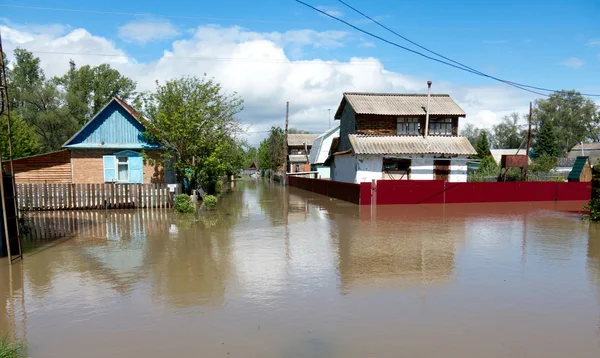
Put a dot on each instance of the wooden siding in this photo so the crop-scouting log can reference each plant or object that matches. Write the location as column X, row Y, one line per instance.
column 388, row 125
column 93, row 196
column 46, row 168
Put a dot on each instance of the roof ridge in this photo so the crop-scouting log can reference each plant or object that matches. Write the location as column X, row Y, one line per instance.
column 396, row 94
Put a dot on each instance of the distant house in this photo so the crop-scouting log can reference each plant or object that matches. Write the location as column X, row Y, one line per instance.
column 108, row 149
column 252, row 169
column 321, row 150
column 498, row 153
column 299, row 146
column 382, row 136
column 591, row 150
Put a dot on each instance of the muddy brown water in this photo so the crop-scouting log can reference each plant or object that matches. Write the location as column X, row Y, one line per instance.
column 287, row 273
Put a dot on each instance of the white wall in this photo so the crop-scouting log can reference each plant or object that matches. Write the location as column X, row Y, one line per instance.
column 458, row 171
column 421, row 169
column 344, row 168
column 324, row 172
column 368, row 168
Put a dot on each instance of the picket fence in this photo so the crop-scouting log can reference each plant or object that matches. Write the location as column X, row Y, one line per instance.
column 93, row 196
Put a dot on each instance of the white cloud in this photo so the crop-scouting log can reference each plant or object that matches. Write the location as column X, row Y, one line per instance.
column 367, row 44
column 260, row 68
column 331, row 11
column 146, row 31
column 572, row 62
column 593, row 42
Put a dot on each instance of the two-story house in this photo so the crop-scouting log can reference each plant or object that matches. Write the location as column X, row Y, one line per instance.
column 382, row 136
column 299, row 146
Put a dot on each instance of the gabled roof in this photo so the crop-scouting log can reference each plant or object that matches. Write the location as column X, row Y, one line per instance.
column 298, row 140
column 116, row 126
column 399, row 145
column 400, row 104
column 322, row 145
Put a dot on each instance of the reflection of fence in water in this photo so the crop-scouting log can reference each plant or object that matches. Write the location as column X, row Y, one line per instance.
column 45, row 227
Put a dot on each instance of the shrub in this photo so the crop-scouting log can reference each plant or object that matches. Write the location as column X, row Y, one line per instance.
column 183, row 204
column 487, row 168
column 594, row 204
column 10, row 349
column 209, row 201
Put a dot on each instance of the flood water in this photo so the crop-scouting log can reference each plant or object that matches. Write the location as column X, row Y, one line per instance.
column 286, row 273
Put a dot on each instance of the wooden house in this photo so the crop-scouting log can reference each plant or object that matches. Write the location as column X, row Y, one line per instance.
column 383, row 136
column 110, row 148
column 299, row 146
column 582, row 170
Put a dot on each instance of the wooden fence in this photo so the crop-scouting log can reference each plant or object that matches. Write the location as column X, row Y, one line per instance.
column 93, row 196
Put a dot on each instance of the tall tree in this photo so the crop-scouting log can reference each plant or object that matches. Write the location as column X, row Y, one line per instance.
column 196, row 121
column 26, row 75
column 250, row 156
column 271, row 151
column 546, row 142
column 23, row 137
column 88, row 89
column 483, row 145
column 471, row 132
column 507, row 134
column 574, row 117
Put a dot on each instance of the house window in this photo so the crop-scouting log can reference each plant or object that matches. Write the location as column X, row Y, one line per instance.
column 409, row 126
column 123, row 168
column 441, row 127
column 400, row 166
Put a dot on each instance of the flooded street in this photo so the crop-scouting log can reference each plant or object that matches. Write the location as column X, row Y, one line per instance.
column 286, row 273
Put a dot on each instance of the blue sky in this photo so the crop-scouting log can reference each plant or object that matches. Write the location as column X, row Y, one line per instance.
column 554, row 44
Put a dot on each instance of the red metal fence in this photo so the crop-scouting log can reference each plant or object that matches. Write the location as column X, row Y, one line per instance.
column 396, row 192
column 334, row 189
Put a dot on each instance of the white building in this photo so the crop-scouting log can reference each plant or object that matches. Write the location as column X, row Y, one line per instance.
column 382, row 136
column 320, row 152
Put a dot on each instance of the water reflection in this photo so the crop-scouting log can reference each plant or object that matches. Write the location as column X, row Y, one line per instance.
column 282, row 272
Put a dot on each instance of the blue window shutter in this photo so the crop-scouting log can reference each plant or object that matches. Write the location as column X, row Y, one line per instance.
column 110, row 173
column 136, row 170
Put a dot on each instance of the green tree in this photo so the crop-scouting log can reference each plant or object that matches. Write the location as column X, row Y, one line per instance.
column 26, row 75
column 574, row 117
column 250, row 156
column 196, row 121
column 88, row 89
column 487, row 169
column 483, row 145
column 265, row 159
column 543, row 164
column 23, row 138
column 471, row 132
column 271, row 152
column 507, row 134
column 546, row 142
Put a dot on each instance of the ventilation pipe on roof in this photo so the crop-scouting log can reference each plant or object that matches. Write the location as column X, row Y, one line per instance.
column 427, row 109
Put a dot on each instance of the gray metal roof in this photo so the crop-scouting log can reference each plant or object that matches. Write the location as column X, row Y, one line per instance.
column 298, row 158
column 400, row 104
column 322, row 145
column 498, row 153
column 586, row 146
column 394, row 145
column 297, row 140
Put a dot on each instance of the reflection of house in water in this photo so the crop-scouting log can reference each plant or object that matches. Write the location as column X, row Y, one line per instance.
column 407, row 245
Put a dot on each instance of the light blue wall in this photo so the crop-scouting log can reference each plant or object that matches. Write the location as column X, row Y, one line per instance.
column 113, row 127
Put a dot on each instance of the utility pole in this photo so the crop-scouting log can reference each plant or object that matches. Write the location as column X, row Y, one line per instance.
column 285, row 145
column 5, row 107
column 529, row 137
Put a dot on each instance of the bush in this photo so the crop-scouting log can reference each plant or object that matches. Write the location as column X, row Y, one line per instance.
column 10, row 349
column 594, row 204
column 487, row 168
column 209, row 201
column 183, row 204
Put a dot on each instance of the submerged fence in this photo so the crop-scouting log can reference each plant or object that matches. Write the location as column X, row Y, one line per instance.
column 94, row 196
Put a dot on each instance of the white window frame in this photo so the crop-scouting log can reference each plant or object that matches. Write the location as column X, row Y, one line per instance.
column 117, row 169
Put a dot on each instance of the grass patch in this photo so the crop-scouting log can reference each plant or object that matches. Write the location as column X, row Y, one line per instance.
column 10, row 349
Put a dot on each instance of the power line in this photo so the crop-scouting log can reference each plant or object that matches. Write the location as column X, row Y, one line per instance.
column 411, row 50
column 451, row 60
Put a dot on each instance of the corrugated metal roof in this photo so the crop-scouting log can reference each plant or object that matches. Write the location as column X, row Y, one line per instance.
column 297, row 140
column 400, row 104
column 298, row 158
column 394, row 145
column 586, row 146
column 322, row 145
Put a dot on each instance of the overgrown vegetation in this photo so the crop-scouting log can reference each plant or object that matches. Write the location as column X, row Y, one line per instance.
column 183, row 204
column 209, row 201
column 542, row 164
column 271, row 152
column 487, row 169
column 10, row 349
column 594, row 204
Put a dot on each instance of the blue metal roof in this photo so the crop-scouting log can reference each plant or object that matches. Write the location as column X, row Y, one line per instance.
column 114, row 127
